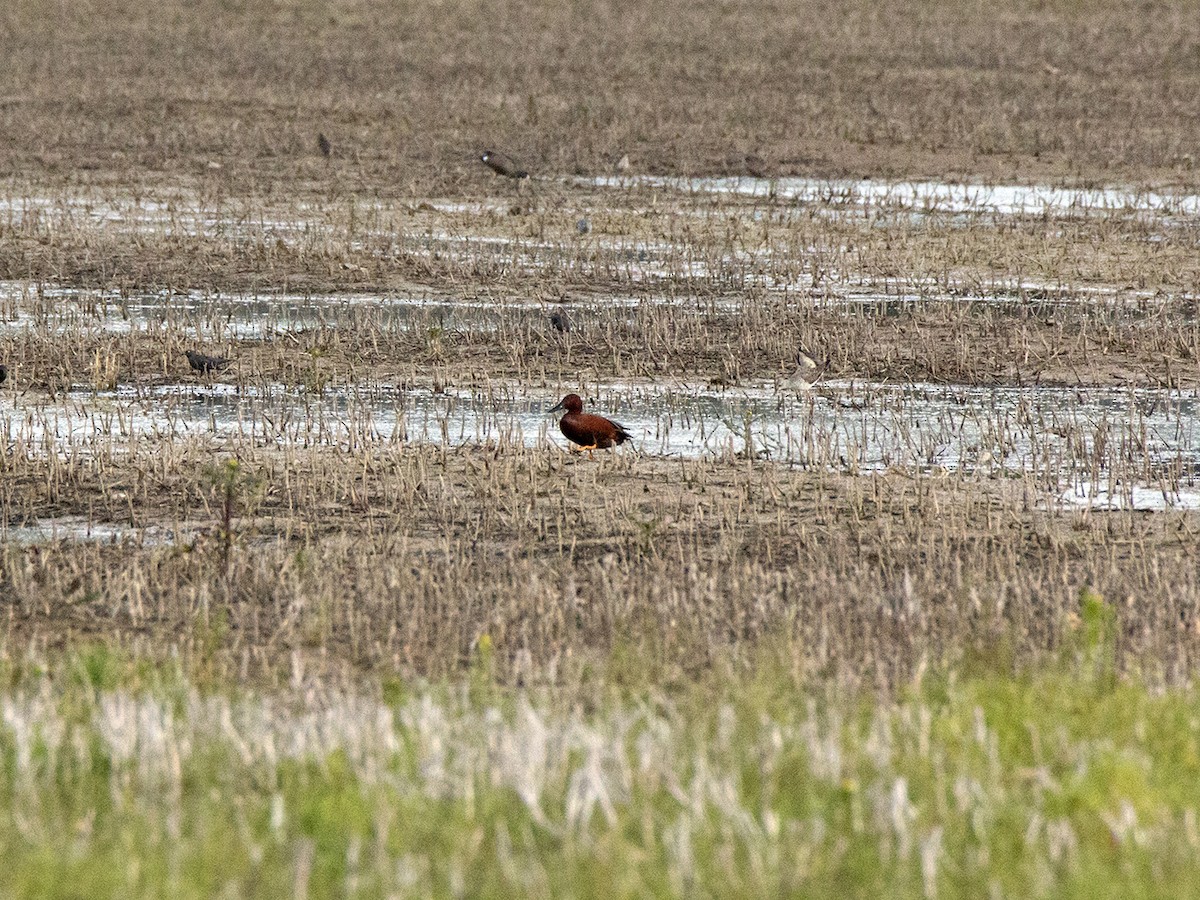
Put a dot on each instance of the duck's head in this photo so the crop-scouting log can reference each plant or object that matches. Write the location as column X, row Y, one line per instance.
column 572, row 403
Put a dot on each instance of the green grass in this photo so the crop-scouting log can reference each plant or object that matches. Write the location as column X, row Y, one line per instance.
column 121, row 779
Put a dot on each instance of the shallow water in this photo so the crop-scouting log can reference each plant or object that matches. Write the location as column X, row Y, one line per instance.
column 921, row 196
column 466, row 231
column 209, row 316
column 214, row 316
column 79, row 529
column 1141, row 498
column 1061, row 436
column 1072, row 441
column 926, row 196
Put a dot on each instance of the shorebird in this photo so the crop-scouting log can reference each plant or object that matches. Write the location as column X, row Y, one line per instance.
column 807, row 372
column 206, row 364
column 503, row 165
column 588, row 431
column 323, row 144
column 559, row 321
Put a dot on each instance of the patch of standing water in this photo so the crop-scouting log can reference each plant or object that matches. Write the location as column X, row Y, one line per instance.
column 180, row 214
column 216, row 316
column 1061, row 436
column 1142, row 498
column 79, row 529
column 926, row 196
column 209, row 317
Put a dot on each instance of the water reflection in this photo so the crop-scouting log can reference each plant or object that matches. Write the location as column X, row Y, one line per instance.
column 840, row 425
column 925, row 196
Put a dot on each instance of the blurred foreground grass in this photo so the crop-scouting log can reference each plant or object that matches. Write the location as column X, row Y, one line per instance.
column 119, row 777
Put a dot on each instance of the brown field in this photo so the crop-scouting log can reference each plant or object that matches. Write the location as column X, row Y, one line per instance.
column 117, row 93
column 402, row 558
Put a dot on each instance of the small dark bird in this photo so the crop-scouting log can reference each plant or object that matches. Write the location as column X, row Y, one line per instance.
column 559, row 321
column 3, row 373
column 503, row 165
column 756, row 167
column 588, row 431
column 206, row 364
column 323, row 144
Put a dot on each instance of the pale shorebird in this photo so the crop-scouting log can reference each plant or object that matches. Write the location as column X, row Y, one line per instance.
column 807, row 373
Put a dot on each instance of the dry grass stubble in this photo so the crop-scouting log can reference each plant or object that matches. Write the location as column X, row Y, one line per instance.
column 403, row 560
column 114, row 91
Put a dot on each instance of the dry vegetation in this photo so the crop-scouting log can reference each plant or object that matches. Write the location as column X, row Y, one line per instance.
column 174, row 151
column 117, row 92
column 403, row 560
column 787, row 662
column 727, row 289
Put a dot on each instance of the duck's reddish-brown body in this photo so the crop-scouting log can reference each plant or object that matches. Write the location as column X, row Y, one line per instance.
column 588, row 431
